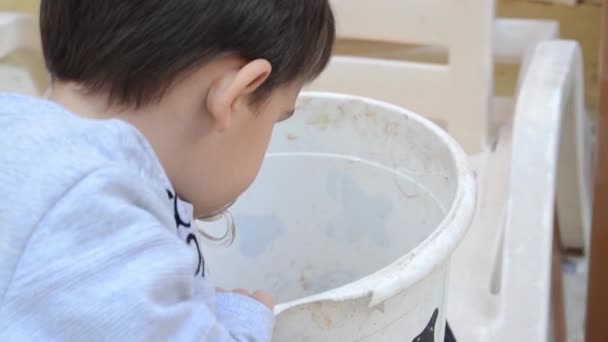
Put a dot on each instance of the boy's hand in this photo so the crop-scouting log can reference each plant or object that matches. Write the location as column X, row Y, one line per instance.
column 261, row 296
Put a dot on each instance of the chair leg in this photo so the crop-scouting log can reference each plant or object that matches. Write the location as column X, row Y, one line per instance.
column 557, row 288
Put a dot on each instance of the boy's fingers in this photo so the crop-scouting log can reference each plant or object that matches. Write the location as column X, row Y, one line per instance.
column 219, row 289
column 264, row 298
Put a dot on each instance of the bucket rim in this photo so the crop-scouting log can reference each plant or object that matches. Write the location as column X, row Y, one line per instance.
column 433, row 251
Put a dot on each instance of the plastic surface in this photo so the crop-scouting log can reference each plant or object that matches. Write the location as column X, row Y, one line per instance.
column 352, row 222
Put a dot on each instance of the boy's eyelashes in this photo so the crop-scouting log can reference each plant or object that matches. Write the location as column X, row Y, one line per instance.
column 286, row 116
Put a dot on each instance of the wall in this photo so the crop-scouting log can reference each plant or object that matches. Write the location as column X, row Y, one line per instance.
column 30, row 6
column 580, row 22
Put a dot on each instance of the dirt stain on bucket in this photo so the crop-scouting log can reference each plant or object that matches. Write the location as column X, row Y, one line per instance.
column 321, row 121
column 370, row 114
column 320, row 316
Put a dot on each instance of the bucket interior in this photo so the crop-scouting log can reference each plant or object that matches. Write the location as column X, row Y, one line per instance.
column 349, row 186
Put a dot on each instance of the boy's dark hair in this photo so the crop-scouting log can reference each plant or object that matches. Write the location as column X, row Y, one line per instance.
column 135, row 49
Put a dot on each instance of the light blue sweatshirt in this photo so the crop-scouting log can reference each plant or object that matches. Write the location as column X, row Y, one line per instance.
column 94, row 243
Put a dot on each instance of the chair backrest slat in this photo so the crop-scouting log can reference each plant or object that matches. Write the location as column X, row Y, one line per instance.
column 457, row 94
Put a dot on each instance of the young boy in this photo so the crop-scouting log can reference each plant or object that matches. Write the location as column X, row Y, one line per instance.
column 159, row 112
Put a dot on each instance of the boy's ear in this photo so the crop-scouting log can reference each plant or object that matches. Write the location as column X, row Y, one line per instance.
column 232, row 90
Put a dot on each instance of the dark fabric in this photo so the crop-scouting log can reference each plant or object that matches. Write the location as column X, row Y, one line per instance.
column 449, row 335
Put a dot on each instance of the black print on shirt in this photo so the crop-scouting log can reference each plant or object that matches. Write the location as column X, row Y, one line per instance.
column 178, row 220
column 200, row 269
column 191, row 239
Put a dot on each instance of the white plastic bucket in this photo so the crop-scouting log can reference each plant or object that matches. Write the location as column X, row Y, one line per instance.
column 351, row 223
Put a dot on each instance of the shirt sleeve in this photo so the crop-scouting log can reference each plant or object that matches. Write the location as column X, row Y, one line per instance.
column 245, row 317
column 102, row 266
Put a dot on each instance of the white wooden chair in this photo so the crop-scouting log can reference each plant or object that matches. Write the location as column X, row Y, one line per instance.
column 526, row 162
column 17, row 32
column 514, row 39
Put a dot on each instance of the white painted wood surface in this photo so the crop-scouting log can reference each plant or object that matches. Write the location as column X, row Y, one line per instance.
column 543, row 112
column 436, row 91
column 473, row 39
column 502, row 288
column 17, row 31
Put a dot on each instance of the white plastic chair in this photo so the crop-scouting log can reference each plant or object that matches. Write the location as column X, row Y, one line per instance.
column 539, row 156
column 17, row 32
